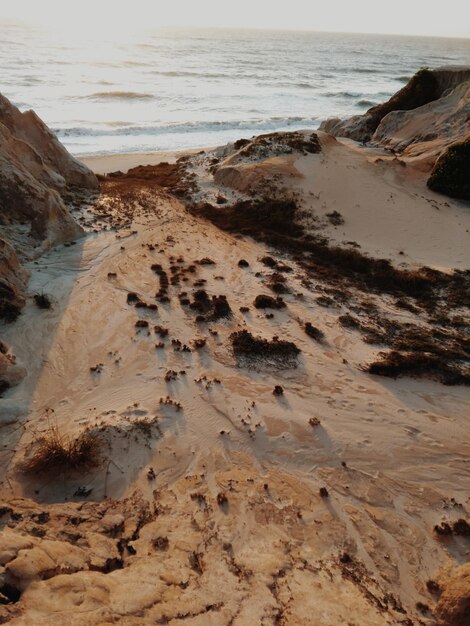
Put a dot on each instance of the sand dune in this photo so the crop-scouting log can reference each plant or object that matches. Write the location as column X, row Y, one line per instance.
column 254, row 490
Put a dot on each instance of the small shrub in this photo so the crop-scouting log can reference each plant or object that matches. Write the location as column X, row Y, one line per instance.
column 57, row 453
column 161, row 331
column 161, row 543
column 314, row 332
column 220, row 308
column 244, row 344
column 132, row 298
column 42, row 301
column 268, row 302
column 269, row 261
column 348, row 321
column 141, row 324
column 335, row 218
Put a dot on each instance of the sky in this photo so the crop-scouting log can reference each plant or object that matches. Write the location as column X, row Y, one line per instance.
column 406, row 17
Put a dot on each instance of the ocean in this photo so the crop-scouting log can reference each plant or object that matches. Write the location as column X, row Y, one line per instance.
column 177, row 89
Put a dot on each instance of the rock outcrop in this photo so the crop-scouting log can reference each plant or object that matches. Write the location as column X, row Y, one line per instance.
column 37, row 178
column 451, row 174
column 44, row 156
column 424, row 124
column 453, row 608
column 424, row 87
column 422, row 134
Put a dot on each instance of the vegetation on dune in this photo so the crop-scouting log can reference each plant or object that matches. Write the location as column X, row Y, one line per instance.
column 274, row 222
column 418, row 365
column 268, row 302
column 314, row 332
column 279, row 143
column 249, row 216
column 60, row 453
column 451, row 173
column 42, row 301
column 246, row 345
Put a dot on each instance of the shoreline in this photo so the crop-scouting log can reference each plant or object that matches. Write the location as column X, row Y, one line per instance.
column 124, row 161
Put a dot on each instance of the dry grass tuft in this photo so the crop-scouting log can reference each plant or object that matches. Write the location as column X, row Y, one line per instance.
column 60, row 453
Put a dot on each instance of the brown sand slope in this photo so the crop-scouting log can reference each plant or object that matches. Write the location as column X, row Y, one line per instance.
column 259, row 485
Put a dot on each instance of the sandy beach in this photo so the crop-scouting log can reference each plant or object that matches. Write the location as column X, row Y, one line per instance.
column 124, row 161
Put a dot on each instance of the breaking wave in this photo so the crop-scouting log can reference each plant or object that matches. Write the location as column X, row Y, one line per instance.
column 119, row 95
column 255, row 125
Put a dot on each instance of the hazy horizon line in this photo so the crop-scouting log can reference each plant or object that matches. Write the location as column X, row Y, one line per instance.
column 180, row 27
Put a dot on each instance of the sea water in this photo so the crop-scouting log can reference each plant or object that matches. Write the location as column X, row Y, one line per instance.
column 177, row 89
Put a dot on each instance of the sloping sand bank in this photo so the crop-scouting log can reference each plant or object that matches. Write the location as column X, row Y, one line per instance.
column 235, row 488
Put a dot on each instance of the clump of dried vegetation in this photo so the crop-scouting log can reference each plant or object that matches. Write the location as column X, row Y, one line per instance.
column 417, row 351
column 245, row 345
column 42, row 301
column 419, row 365
column 264, row 301
column 276, row 143
column 210, row 309
column 56, row 452
column 314, row 332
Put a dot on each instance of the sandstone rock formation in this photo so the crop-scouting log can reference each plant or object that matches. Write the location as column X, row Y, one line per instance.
column 453, row 608
column 451, row 173
column 419, row 122
column 424, row 87
column 422, row 134
column 48, row 159
column 37, row 176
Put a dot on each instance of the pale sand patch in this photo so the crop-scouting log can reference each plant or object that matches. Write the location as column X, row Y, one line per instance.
column 104, row 164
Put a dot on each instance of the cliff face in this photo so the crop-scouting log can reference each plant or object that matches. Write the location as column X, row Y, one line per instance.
column 49, row 160
column 431, row 109
column 37, row 175
column 451, row 173
column 422, row 134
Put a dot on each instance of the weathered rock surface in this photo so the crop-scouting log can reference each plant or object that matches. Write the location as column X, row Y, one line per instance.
column 420, row 122
column 180, row 558
column 43, row 155
column 12, row 282
column 424, row 87
column 451, row 173
column 424, row 133
column 453, row 608
column 37, row 175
